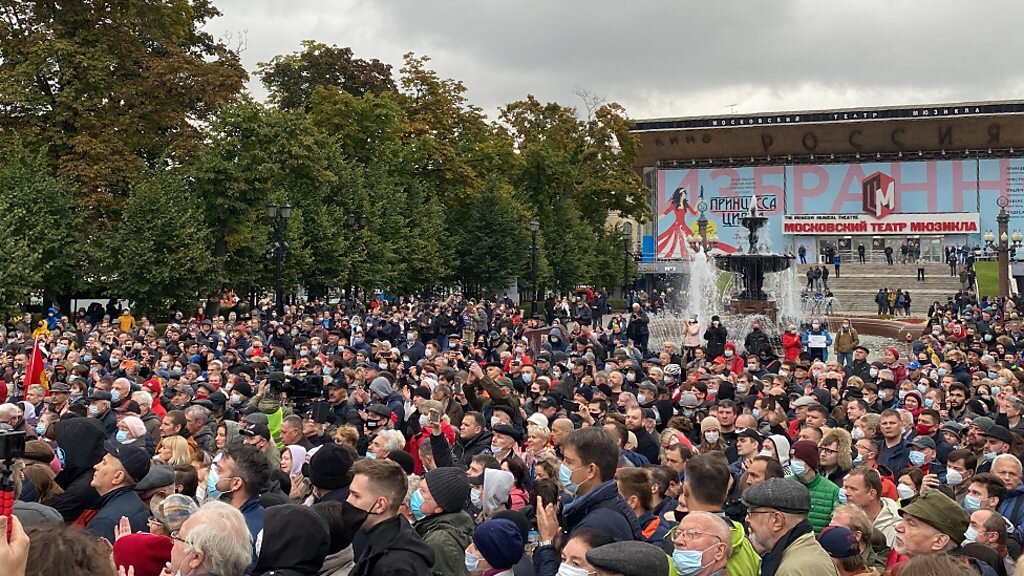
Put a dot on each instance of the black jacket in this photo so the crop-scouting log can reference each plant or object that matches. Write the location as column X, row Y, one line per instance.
column 716, row 338
column 295, row 542
column 647, row 445
column 464, row 450
column 395, row 549
column 81, row 439
column 112, row 506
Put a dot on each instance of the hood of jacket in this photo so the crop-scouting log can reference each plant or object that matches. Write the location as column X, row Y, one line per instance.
column 782, row 448
column 339, row 563
column 482, row 439
column 460, row 523
column 294, row 538
column 81, row 440
column 497, row 486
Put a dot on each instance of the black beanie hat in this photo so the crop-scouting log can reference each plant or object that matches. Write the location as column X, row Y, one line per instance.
column 329, row 467
column 404, row 460
column 449, row 487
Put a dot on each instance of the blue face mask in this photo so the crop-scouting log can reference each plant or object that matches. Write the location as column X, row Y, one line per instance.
column 474, row 497
column 371, row 455
column 211, row 485
column 122, row 436
column 922, row 388
column 415, row 502
column 991, row 456
column 916, row 457
column 971, row 504
column 565, row 477
column 471, row 562
column 858, row 460
column 756, row 414
column 941, row 372
column 94, row 409
column 842, row 496
column 798, row 467
column 995, row 390
column 40, row 429
column 688, row 562
column 928, row 402
column 115, row 394
column 527, row 377
column 327, row 371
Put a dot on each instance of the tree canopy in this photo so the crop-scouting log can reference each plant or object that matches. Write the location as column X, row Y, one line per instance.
column 129, row 125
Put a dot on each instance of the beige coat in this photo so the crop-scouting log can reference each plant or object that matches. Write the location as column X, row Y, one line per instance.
column 805, row 557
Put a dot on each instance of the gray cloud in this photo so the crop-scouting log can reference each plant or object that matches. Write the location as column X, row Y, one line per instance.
column 669, row 58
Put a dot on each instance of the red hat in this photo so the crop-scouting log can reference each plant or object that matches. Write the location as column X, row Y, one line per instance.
column 895, row 353
column 720, row 360
column 153, row 385
column 147, row 553
column 808, row 452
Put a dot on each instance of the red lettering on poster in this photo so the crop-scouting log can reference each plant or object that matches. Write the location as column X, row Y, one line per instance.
column 850, row 191
column 808, row 182
column 762, row 173
column 930, row 187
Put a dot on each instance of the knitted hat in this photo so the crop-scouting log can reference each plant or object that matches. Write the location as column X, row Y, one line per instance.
column 709, row 423
column 381, row 387
column 629, row 558
column 808, row 452
column 147, row 553
column 135, row 426
column 329, row 467
column 448, row 487
column 174, row 510
column 500, row 543
column 782, row 494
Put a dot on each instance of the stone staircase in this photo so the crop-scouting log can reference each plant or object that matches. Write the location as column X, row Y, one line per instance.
column 855, row 289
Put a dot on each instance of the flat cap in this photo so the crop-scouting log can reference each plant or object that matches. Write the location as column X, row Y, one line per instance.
column 629, row 558
column 940, row 512
column 1001, row 433
column 782, row 494
column 804, row 401
column 923, row 442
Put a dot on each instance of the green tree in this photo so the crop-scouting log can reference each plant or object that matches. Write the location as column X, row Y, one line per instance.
column 163, row 255
column 111, row 87
column 39, row 223
column 494, row 242
column 293, row 78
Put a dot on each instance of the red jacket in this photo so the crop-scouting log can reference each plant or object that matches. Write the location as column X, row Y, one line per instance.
column 791, row 346
column 413, row 445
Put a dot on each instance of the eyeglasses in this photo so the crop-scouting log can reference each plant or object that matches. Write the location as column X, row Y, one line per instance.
column 689, row 535
column 174, row 536
column 827, row 451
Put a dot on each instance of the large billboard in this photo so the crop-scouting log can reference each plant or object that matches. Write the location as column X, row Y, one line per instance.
column 876, row 193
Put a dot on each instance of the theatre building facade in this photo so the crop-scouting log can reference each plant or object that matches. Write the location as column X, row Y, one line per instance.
column 924, row 177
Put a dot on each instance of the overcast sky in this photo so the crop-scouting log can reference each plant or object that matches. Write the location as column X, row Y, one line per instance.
column 667, row 58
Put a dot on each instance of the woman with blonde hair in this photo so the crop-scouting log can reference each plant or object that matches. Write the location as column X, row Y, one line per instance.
column 538, row 443
column 346, row 435
column 174, row 451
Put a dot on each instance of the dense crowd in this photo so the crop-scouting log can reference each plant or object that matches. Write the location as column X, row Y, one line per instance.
column 459, row 437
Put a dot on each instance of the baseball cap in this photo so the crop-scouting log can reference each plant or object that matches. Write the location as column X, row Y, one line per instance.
column 839, row 541
column 258, row 429
column 134, row 459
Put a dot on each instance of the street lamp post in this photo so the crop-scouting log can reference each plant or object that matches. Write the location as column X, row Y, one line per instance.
column 356, row 224
column 704, row 241
column 627, row 237
column 1003, row 220
column 279, row 216
column 534, row 228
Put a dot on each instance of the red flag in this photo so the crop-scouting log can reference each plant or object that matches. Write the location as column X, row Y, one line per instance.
column 35, row 375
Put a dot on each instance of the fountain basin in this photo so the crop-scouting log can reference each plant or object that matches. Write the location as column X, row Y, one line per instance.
column 752, row 269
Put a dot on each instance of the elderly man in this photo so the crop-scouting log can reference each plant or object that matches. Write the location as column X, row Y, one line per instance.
column 777, row 512
column 214, row 540
column 99, row 408
column 703, row 543
column 114, row 478
column 932, row 524
column 195, row 423
column 1008, row 468
column 988, row 528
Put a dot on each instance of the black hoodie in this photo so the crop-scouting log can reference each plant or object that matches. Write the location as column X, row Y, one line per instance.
column 81, row 440
column 395, row 550
column 294, row 542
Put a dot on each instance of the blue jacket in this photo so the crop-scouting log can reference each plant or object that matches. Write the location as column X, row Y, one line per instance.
column 604, row 510
column 895, row 458
column 252, row 511
column 113, row 505
column 1012, row 508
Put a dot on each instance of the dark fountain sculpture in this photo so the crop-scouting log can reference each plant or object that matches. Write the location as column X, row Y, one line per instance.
column 751, row 267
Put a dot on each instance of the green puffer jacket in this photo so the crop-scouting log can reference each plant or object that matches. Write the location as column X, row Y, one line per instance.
column 448, row 535
column 824, row 499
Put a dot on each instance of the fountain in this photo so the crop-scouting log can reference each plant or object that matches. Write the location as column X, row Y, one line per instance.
column 752, row 267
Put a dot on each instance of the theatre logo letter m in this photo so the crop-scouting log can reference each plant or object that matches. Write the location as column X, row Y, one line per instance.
column 879, row 195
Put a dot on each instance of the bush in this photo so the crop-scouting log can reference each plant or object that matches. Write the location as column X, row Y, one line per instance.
column 617, row 304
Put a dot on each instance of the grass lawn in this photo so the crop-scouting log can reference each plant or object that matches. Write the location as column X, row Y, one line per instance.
column 988, row 278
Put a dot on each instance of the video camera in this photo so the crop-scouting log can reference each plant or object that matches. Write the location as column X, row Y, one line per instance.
column 300, row 390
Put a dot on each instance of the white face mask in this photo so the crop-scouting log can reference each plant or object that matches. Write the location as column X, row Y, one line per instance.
column 711, row 437
column 566, row 569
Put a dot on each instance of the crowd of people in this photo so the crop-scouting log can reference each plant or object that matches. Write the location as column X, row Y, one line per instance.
column 459, row 437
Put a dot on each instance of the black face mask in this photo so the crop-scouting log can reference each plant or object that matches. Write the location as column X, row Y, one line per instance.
column 352, row 517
